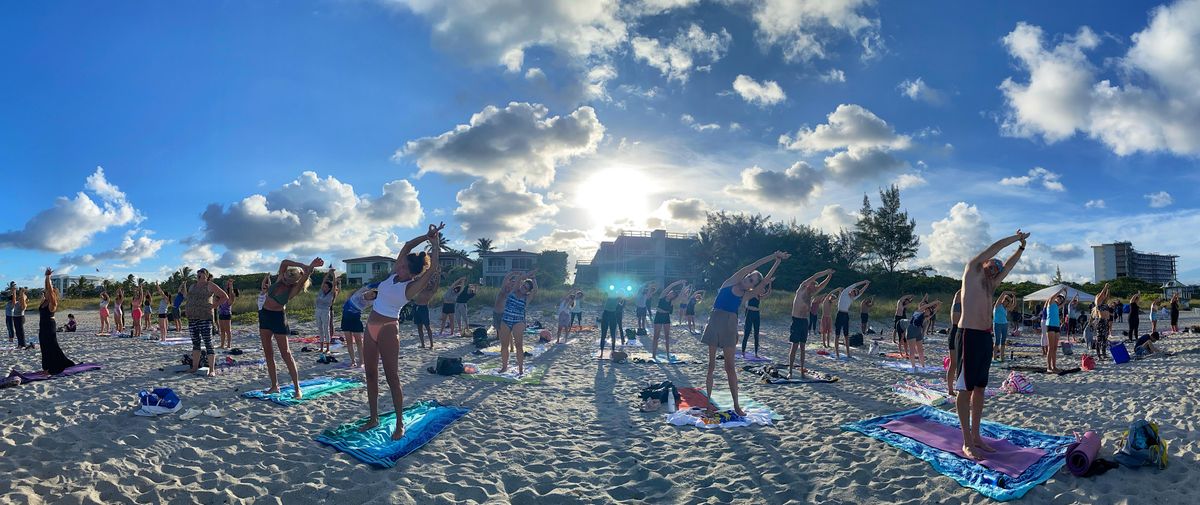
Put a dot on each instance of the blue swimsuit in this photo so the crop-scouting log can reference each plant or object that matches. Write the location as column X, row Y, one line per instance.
column 514, row 310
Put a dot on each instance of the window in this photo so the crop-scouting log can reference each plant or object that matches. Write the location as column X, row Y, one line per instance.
column 380, row 267
column 495, row 262
column 358, row 268
column 522, row 264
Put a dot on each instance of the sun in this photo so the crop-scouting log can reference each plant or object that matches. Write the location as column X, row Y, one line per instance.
column 616, row 194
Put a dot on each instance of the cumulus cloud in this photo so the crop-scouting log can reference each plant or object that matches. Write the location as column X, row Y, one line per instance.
column 833, row 75
column 677, row 58
column 803, row 29
column 1159, row 200
column 791, row 187
column 516, row 141
column 135, row 247
column 686, row 212
column 651, row 7
column 762, row 94
column 502, row 210
column 72, row 222
column 848, row 126
column 1048, row 180
column 199, row 254
column 918, row 90
column 835, row 218
column 962, row 234
column 1066, row 251
column 910, row 180
column 1095, row 204
column 314, row 214
column 862, row 163
column 690, row 121
column 1150, row 103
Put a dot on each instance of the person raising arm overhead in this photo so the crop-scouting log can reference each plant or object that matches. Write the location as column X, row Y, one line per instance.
column 841, row 326
column 292, row 278
column 798, row 337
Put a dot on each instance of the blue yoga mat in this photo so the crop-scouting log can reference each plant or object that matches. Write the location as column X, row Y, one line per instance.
column 991, row 483
column 311, row 389
column 422, row 422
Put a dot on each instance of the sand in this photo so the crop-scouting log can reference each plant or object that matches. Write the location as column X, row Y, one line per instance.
column 578, row 438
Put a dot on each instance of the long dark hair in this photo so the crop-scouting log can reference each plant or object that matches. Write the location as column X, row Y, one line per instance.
column 417, row 262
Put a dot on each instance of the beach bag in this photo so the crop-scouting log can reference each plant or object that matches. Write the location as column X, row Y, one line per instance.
column 1142, row 446
column 187, row 358
column 448, row 366
column 480, row 338
column 619, row 356
column 1017, row 383
column 1067, row 349
column 1087, row 362
column 630, row 334
column 1119, row 353
column 856, row 340
column 641, row 332
column 156, row 402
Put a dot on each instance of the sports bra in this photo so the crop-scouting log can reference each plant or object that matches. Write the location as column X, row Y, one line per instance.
column 281, row 298
column 391, row 297
column 664, row 305
column 726, row 300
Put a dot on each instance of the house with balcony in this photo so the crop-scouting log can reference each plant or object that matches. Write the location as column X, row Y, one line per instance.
column 637, row 257
column 361, row 271
column 498, row 264
column 451, row 260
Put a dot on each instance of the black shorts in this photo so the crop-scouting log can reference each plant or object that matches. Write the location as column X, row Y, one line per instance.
column 799, row 333
column 273, row 320
column 976, row 362
column 224, row 317
column 662, row 317
column 950, row 340
column 690, row 311
column 351, row 322
column 641, row 312
column 162, row 316
column 447, row 308
column 864, row 317
column 1051, row 329
column 421, row 314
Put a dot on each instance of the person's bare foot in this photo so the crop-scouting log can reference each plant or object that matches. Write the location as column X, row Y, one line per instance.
column 970, row 452
column 790, row 374
column 212, row 373
column 983, row 446
column 803, row 373
column 367, row 426
column 398, row 433
column 297, row 395
column 502, row 370
column 272, row 389
column 738, row 410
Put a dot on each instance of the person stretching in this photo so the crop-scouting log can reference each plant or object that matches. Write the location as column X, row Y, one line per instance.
column 104, row 328
column 352, row 325
column 119, row 311
column 901, row 315
column 563, row 316
column 292, row 279
column 841, row 327
column 1153, row 317
column 662, row 319
column 952, row 342
column 828, row 306
column 225, row 316
column 1135, row 315
column 644, row 295
column 175, row 304
column 753, row 318
column 20, row 300
column 864, row 313
column 690, row 312
column 1000, row 323
column 323, row 311
column 608, row 320
column 981, row 276
column 1053, row 329
column 411, row 273
column 800, row 320
column 449, row 298
column 199, row 310
column 420, row 302
column 512, row 323
column 916, row 333
column 462, row 316
column 162, row 312
column 721, row 330
column 54, row 361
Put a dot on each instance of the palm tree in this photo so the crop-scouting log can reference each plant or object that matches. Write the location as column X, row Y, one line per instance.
column 483, row 245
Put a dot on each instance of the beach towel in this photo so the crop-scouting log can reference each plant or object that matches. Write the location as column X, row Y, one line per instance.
column 532, row 351
column 940, row 385
column 906, row 367
column 175, row 340
column 423, row 421
column 311, row 389
column 490, row 372
column 1024, row 458
column 750, row 358
column 723, row 400
column 304, row 340
column 693, row 398
column 608, row 343
column 915, row 392
column 673, row 359
column 841, row 357
column 41, row 375
column 811, row 378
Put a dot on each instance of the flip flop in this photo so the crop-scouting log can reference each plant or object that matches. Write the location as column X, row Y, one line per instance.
column 190, row 414
column 214, row 412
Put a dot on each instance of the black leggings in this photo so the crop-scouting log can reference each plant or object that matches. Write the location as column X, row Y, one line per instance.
column 576, row 318
column 19, row 329
column 752, row 322
column 608, row 324
column 1133, row 329
column 201, row 329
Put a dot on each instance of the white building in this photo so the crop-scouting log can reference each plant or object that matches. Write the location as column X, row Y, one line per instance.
column 498, row 264
column 361, row 271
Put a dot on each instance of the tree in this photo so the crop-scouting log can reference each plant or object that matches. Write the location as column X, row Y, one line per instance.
column 483, row 245
column 886, row 233
column 1057, row 275
column 552, row 268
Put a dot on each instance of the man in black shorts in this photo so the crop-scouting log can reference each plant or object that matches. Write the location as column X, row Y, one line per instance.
column 981, row 277
column 800, row 320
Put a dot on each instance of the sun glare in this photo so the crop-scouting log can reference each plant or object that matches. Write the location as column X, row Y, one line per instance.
column 615, row 194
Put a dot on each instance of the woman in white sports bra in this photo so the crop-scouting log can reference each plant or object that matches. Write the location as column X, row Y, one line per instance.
column 410, row 275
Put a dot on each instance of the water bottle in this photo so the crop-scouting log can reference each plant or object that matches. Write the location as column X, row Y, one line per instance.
column 671, row 400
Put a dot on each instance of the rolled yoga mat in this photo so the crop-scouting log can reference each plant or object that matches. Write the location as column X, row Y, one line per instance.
column 1081, row 454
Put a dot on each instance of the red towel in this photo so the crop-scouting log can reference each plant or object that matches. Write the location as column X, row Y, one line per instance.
column 692, row 397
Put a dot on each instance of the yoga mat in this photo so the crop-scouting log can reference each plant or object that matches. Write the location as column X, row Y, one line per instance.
column 423, row 421
column 815, row 379
column 1082, row 453
column 750, row 358
column 841, row 357
column 983, row 479
column 311, row 389
column 905, row 367
column 489, row 372
column 1010, row 459
column 673, row 359
column 692, row 397
column 1038, row 369
column 940, row 385
column 41, row 375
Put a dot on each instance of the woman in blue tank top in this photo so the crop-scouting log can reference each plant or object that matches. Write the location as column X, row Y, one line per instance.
column 1053, row 323
column 722, row 327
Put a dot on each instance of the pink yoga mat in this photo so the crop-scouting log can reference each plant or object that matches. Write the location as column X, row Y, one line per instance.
column 1081, row 454
column 41, row 376
column 1009, row 459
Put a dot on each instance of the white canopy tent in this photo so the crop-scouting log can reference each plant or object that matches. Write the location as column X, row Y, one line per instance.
column 1042, row 295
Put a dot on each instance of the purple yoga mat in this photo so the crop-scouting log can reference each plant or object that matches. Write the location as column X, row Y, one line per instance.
column 1009, row 459
column 41, row 376
column 1081, row 454
column 750, row 358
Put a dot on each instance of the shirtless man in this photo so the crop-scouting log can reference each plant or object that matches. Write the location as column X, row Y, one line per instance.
column 980, row 278
column 800, row 307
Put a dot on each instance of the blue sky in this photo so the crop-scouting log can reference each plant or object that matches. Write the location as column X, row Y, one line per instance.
column 233, row 134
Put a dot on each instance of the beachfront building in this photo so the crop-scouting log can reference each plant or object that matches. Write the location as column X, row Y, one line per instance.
column 497, row 264
column 63, row 281
column 361, row 271
column 452, row 260
column 636, row 257
column 1120, row 259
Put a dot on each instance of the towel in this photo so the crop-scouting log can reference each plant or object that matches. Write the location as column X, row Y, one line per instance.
column 490, row 372
column 423, row 421
column 723, row 400
column 311, row 388
column 673, row 359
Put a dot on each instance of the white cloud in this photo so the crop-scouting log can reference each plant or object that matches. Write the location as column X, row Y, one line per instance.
column 789, row 188
column 833, row 75
column 134, row 248
column 501, row 210
column 72, row 222
column 917, row 89
column 199, row 254
column 688, row 212
column 910, row 180
column 1160, row 199
column 516, row 141
column 1049, row 180
column 313, row 214
column 857, row 163
column 849, row 125
column 762, row 94
column 735, row 126
column 1066, row 251
column 676, row 59
column 652, row 7
column 1095, row 204
column 835, row 218
column 802, row 29
column 690, row 121
column 1153, row 105
column 963, row 234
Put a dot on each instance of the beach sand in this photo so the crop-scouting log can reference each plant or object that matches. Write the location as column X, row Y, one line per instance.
column 578, row 438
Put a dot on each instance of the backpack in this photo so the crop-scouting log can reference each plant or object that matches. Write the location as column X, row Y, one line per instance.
column 407, row 311
column 1017, row 383
column 1087, row 362
column 480, row 338
column 448, row 366
column 1142, row 446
